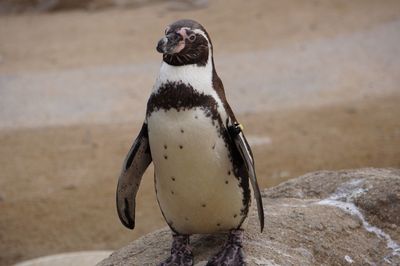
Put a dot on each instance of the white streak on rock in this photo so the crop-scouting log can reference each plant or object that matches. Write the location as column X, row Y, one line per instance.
column 348, row 259
column 343, row 199
column 294, row 205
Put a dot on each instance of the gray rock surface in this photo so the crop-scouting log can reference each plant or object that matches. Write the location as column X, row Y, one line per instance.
column 81, row 258
column 322, row 218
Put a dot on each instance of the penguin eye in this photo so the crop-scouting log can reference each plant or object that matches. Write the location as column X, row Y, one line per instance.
column 192, row 37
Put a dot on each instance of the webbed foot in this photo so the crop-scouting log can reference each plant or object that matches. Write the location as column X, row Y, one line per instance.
column 232, row 252
column 181, row 252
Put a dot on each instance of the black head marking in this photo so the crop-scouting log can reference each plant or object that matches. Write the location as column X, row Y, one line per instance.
column 185, row 44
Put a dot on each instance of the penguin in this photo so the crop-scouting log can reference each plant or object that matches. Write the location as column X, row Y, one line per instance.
column 204, row 167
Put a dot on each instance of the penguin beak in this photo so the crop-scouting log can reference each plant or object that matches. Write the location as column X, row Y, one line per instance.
column 172, row 43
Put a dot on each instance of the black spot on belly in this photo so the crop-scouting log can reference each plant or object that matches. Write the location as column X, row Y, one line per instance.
column 165, row 147
column 195, row 117
column 173, row 178
column 226, row 182
column 213, row 147
column 218, row 224
column 229, row 172
column 203, row 205
column 180, row 147
column 165, row 157
column 235, row 215
column 172, row 192
column 182, row 131
column 186, row 219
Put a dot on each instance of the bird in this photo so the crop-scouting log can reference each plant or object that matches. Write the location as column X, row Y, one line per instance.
column 204, row 171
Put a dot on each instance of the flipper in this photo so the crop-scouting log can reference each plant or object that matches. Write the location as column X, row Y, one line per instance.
column 236, row 133
column 135, row 164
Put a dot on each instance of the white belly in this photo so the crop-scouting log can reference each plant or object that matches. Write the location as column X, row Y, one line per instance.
column 195, row 184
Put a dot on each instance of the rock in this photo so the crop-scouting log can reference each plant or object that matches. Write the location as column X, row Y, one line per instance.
column 82, row 258
column 322, row 218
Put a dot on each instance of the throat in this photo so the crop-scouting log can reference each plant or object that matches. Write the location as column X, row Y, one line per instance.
column 199, row 59
column 199, row 78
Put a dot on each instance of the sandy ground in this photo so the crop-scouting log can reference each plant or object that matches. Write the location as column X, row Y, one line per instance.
column 313, row 82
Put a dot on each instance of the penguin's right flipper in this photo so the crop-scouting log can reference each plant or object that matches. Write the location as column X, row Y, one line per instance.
column 135, row 164
column 243, row 147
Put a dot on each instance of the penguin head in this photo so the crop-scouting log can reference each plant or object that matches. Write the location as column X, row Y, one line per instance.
column 185, row 42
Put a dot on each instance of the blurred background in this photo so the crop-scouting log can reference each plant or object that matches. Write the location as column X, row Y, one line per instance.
column 316, row 85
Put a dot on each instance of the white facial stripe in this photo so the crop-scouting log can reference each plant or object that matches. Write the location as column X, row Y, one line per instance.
column 182, row 31
column 202, row 34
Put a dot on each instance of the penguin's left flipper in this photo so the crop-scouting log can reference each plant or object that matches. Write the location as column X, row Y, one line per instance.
column 135, row 164
column 243, row 147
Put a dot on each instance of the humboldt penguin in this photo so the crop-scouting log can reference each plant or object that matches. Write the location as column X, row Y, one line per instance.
column 204, row 167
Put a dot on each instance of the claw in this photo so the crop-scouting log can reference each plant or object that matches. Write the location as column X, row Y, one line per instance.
column 181, row 252
column 232, row 253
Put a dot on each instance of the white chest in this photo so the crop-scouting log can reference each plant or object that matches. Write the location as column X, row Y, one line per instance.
column 196, row 188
